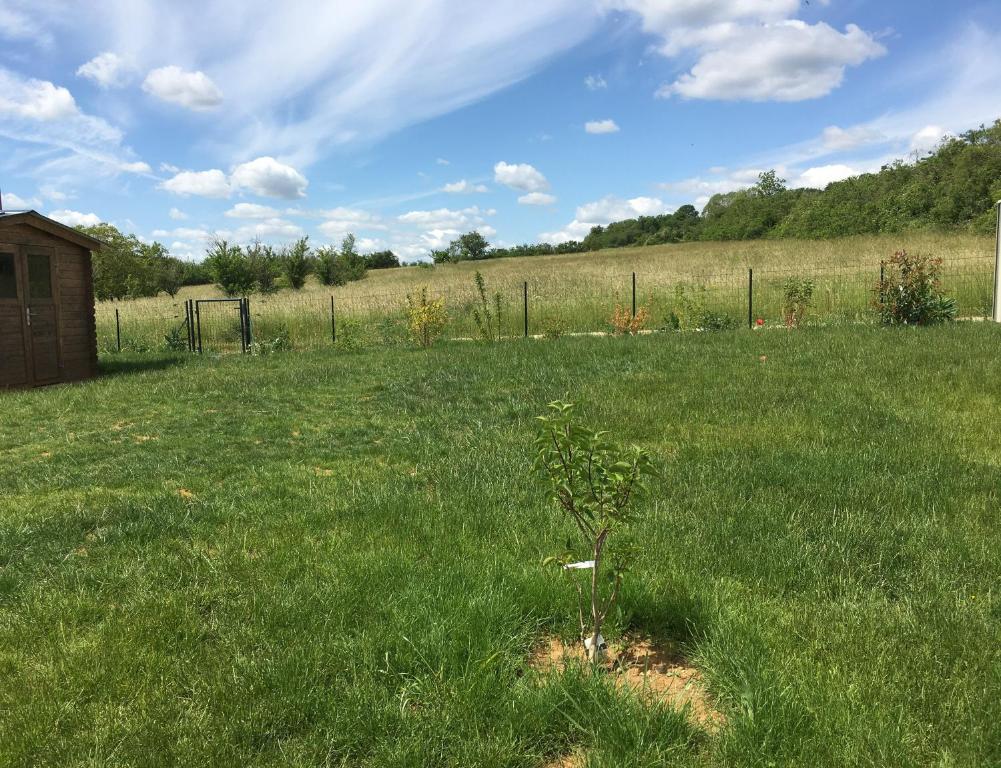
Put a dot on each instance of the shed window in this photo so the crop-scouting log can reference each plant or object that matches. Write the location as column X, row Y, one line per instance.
column 8, row 278
column 39, row 276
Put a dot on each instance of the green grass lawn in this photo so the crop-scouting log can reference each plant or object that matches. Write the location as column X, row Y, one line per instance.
column 334, row 558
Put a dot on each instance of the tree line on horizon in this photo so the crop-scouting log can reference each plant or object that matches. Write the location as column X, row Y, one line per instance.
column 952, row 189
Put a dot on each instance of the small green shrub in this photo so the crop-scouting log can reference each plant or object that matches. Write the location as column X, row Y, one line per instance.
column 277, row 340
column 175, row 341
column 691, row 311
column 296, row 263
column 797, row 298
column 910, row 292
column 555, row 327
column 594, row 481
column 487, row 313
column 426, row 318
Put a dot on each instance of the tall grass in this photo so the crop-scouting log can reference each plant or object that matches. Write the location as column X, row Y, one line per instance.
column 578, row 292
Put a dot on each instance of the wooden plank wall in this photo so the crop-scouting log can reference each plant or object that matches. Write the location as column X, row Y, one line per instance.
column 75, row 288
column 77, row 329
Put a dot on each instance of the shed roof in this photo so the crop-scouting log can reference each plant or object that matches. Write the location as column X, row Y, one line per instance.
column 53, row 227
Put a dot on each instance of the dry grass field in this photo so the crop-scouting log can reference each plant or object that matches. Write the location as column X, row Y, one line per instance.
column 577, row 292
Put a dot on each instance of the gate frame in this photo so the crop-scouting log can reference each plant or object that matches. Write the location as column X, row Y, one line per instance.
column 244, row 309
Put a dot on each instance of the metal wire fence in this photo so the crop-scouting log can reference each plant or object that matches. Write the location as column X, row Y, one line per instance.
column 842, row 294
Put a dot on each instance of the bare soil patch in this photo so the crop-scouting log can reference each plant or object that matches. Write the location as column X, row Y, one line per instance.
column 654, row 671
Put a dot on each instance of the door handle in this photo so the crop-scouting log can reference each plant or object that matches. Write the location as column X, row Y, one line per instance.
column 27, row 311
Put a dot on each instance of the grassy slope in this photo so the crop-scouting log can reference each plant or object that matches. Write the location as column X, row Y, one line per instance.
column 824, row 541
column 586, row 271
column 581, row 290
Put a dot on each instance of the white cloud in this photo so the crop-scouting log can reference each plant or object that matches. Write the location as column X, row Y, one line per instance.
column 78, row 146
column 267, row 177
column 699, row 189
column 601, row 126
column 251, row 211
column 928, row 138
column 844, row 139
column 51, row 192
column 75, row 218
column 595, row 83
column 185, row 233
column 340, row 221
column 12, row 202
column 212, row 183
column 782, row 61
column 168, row 168
column 17, row 25
column 446, row 218
column 34, row 99
column 820, row 176
column 177, row 214
column 537, row 198
column 443, row 161
column 108, row 70
column 136, row 167
column 520, row 176
column 193, row 90
column 264, row 176
column 268, row 229
column 464, row 188
column 751, row 50
column 605, row 211
column 611, row 208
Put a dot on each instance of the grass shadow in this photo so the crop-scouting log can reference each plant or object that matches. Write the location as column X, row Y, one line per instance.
column 119, row 366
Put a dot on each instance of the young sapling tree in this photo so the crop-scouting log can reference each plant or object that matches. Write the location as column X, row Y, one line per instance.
column 594, row 481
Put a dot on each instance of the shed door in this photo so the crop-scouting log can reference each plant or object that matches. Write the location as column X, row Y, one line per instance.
column 42, row 318
column 13, row 337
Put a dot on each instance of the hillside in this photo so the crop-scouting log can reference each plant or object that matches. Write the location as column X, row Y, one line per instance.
column 954, row 188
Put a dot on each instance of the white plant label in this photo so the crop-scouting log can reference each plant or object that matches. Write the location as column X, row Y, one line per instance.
column 579, row 566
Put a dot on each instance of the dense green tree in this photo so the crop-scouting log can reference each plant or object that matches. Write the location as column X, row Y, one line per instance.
column 230, row 269
column 381, row 260
column 341, row 267
column 127, row 268
column 265, row 265
column 296, row 263
column 472, row 246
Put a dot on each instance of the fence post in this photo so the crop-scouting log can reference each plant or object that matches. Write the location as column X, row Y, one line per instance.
column 526, row 309
column 997, row 271
column 189, row 316
column 250, row 326
column 333, row 322
column 243, row 325
column 118, row 330
column 198, row 323
column 634, row 294
column 750, row 297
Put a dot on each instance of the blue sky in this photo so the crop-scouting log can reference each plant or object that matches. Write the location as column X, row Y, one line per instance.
column 407, row 123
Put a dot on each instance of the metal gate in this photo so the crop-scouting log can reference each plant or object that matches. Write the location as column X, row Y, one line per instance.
column 219, row 325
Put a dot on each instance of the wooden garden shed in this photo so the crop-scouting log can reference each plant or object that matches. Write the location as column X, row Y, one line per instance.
column 47, row 331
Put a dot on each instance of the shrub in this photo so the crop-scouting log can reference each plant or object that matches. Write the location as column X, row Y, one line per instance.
column 335, row 267
column 623, row 321
column 593, row 481
column 487, row 317
column 280, row 340
column 426, row 318
column 230, row 269
column 295, row 263
column 692, row 313
column 174, row 341
column 265, row 265
column 910, row 292
column 797, row 298
column 554, row 327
